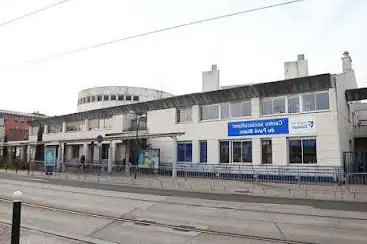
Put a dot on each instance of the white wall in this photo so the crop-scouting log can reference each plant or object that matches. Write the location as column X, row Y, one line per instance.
column 163, row 121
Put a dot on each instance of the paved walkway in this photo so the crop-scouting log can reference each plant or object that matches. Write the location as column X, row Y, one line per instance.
column 297, row 191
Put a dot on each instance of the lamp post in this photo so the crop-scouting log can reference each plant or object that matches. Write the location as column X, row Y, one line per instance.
column 15, row 228
column 136, row 116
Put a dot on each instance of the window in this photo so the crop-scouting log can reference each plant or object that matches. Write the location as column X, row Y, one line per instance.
column 308, row 101
column 105, row 148
column 120, row 97
column 322, row 101
column 302, row 151
column 293, row 104
column 106, row 98
column 113, row 97
column 184, row 114
column 128, row 98
column 242, row 152
column 93, row 99
column 83, row 101
column 184, row 152
column 105, row 123
column 279, row 105
column 240, row 109
column 136, row 98
column 99, row 98
column 54, row 128
column 74, row 151
column 209, row 112
column 224, row 110
column 267, row 107
column 273, row 106
column 224, row 152
column 266, row 152
column 88, row 99
column 203, row 151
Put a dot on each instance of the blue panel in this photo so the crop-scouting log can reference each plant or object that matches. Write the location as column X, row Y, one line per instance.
column 180, row 152
column 50, row 156
column 188, row 156
column 258, row 127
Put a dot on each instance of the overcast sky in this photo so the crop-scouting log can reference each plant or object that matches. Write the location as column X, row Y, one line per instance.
column 249, row 48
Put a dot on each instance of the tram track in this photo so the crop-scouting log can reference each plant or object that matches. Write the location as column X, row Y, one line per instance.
column 142, row 222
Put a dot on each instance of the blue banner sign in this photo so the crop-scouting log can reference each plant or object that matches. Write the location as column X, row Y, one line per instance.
column 50, row 156
column 258, row 127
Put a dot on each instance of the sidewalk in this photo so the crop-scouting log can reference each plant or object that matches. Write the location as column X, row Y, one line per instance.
column 255, row 188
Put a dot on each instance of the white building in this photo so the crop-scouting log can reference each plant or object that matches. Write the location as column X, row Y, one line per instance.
column 108, row 96
column 299, row 121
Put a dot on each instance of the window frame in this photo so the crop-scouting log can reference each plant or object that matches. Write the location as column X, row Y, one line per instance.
column 120, row 96
column 302, row 149
column 127, row 98
column 113, row 98
column 242, row 115
column 186, row 158
column 136, row 99
column 203, row 158
column 207, row 106
column 108, row 98
column 178, row 117
column 262, row 152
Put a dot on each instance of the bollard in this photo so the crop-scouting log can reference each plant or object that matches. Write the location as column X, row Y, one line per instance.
column 15, row 228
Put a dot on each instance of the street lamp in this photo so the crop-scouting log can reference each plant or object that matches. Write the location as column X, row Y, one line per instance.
column 136, row 116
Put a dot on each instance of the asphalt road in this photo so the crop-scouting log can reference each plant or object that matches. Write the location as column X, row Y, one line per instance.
column 320, row 204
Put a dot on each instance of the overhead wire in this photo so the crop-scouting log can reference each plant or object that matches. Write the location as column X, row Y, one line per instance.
column 33, row 12
column 101, row 44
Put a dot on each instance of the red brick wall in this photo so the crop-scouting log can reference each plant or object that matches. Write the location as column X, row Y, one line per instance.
column 16, row 127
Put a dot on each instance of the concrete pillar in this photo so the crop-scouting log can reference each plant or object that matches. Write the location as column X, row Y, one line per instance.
column 174, row 157
column 85, row 151
column 45, row 129
column 255, row 107
column 111, row 155
column 127, row 156
column 63, row 127
column 195, row 113
column 280, row 151
column 29, row 153
column 256, row 151
column 195, row 152
column 86, row 125
column 60, row 158
column 22, row 153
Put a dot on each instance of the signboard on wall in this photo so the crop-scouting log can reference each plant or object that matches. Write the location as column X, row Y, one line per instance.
column 148, row 158
column 302, row 125
column 258, row 127
column 50, row 156
column 272, row 127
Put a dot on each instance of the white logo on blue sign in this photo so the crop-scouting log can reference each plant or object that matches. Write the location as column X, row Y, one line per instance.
column 259, row 127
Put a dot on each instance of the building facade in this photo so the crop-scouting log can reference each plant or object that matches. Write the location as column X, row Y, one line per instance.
column 299, row 121
column 108, row 96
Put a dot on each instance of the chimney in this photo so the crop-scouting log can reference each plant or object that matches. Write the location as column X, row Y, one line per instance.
column 347, row 62
column 297, row 68
column 210, row 80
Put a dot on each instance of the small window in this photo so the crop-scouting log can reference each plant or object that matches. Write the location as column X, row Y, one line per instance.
column 322, row 101
column 106, row 98
column 267, row 107
column 224, row 110
column 293, row 104
column 121, row 97
column 242, row 152
column 99, row 98
column 184, row 151
column 209, row 112
column 224, row 152
column 203, row 151
column 93, row 99
column 136, row 98
column 279, row 105
column 75, row 151
column 266, row 151
column 308, row 102
column 240, row 109
column 113, row 97
column 88, row 99
column 128, row 98
column 184, row 114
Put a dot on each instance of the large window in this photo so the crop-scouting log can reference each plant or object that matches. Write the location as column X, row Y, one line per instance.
column 184, row 114
column 224, row 110
column 54, row 128
column 209, row 112
column 240, row 109
column 106, row 98
column 184, row 151
column 203, row 151
column 292, row 104
column 302, row 151
column 242, row 152
column 266, row 152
